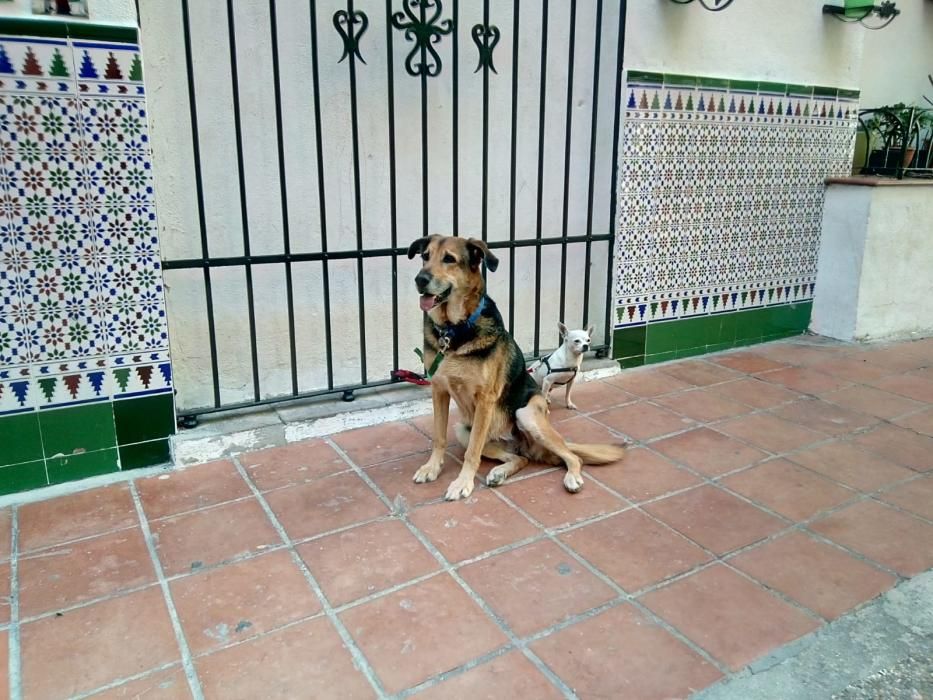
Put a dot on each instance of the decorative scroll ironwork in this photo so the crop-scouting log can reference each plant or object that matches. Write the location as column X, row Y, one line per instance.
column 424, row 31
column 345, row 22
column 485, row 37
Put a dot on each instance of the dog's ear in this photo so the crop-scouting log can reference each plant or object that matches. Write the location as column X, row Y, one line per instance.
column 563, row 330
column 417, row 247
column 589, row 330
column 478, row 250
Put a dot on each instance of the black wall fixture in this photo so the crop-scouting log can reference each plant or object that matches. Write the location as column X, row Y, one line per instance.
column 711, row 5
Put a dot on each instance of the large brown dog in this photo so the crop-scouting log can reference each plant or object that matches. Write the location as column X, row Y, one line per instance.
column 505, row 416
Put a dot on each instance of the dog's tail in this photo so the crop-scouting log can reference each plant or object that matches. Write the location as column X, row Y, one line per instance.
column 594, row 454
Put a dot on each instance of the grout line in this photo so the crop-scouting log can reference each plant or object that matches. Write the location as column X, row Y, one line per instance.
column 15, row 649
column 186, row 659
column 359, row 659
column 451, row 570
column 128, row 679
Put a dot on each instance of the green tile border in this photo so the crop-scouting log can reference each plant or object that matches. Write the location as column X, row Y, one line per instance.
column 144, row 418
column 20, row 439
column 22, row 477
column 77, row 429
column 19, row 26
column 720, row 83
column 81, row 466
column 145, row 454
column 679, row 80
column 638, row 76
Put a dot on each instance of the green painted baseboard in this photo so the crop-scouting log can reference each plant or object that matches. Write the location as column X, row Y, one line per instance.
column 687, row 337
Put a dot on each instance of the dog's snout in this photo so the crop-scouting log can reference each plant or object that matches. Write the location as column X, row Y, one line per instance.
column 586, row 347
column 422, row 280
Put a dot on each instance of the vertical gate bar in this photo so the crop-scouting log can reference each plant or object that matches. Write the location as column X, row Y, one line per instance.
column 484, row 214
column 357, row 205
column 594, row 118
column 238, row 132
column 199, row 195
column 514, row 147
column 567, row 137
column 283, row 195
column 393, row 206
column 322, row 207
column 613, row 222
column 424, row 130
column 541, row 107
column 455, row 66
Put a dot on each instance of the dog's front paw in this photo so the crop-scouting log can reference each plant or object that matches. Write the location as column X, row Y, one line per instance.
column 461, row 487
column 571, row 405
column 427, row 472
column 497, row 475
column 572, row 482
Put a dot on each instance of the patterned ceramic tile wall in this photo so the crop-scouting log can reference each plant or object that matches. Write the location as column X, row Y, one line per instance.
column 85, row 376
column 721, row 191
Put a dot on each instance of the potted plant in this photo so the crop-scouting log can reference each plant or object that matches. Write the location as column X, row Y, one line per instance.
column 899, row 129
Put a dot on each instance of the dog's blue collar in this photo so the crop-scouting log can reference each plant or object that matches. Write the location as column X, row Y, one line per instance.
column 453, row 333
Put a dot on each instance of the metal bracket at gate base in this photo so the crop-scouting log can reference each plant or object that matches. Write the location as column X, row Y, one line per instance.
column 485, row 37
column 345, row 22
column 348, row 395
column 188, row 422
column 423, row 31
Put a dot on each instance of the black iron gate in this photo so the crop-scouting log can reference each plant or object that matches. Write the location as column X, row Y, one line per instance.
column 370, row 34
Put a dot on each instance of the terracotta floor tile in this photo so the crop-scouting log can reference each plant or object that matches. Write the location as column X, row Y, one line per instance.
column 643, row 475
column 380, row 443
column 235, row 602
column 916, row 388
column 588, row 397
column 851, row 465
column 647, row 382
column 733, row 619
column 918, row 422
column 756, row 393
column 703, row 405
column 365, row 560
column 805, row 381
column 75, row 573
column 899, row 357
column 545, row 586
column 6, row 528
column 465, row 529
column 292, row 464
column 586, row 429
column 196, row 540
column 799, row 354
column 420, row 631
column 88, row 647
column 899, row 445
column 787, row 489
column 708, row 452
column 634, row 550
column 425, row 424
column 170, row 684
column 770, row 432
column 5, row 599
column 824, row 417
column 395, row 479
column 872, row 402
column 646, row 662
column 643, row 421
column 747, row 362
column 821, row 577
column 853, row 368
column 892, row 538
column 327, row 504
column 700, row 372
column 192, row 488
column 915, row 496
column 545, row 499
column 715, row 519
column 78, row 515
column 508, row 676
column 307, row 660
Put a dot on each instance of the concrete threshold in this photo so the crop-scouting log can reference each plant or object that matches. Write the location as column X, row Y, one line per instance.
column 228, row 434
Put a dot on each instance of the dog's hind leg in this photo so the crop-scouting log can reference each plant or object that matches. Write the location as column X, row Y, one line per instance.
column 511, row 463
column 546, row 388
column 570, row 404
column 431, row 469
column 532, row 420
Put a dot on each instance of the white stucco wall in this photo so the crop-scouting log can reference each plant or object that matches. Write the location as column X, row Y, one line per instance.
column 875, row 264
column 775, row 40
column 118, row 12
column 898, row 59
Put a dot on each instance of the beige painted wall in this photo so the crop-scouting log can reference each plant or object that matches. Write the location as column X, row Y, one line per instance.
column 121, row 12
column 897, row 59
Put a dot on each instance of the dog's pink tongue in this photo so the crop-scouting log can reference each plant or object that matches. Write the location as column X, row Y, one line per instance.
column 427, row 301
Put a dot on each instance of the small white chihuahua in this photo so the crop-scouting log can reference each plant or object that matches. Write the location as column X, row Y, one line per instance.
column 561, row 367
